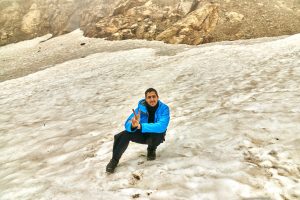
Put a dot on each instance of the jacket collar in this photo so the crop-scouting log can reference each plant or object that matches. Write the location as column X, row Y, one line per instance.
column 142, row 105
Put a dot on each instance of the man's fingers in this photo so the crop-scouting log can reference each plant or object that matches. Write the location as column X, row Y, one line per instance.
column 134, row 122
column 133, row 112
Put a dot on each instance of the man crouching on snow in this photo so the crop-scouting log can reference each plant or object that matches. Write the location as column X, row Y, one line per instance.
column 146, row 125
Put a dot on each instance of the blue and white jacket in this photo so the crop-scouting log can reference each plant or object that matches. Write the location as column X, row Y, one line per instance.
column 161, row 119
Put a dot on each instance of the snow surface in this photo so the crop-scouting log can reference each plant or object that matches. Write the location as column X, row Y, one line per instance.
column 234, row 131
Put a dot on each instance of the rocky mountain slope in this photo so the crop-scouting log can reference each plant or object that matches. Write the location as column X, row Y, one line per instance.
column 172, row 21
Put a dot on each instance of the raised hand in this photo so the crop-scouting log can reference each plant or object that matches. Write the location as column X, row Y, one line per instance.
column 136, row 119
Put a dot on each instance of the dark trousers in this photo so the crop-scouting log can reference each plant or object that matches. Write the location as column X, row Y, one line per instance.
column 121, row 141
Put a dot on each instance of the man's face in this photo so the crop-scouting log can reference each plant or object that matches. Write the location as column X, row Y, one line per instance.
column 151, row 98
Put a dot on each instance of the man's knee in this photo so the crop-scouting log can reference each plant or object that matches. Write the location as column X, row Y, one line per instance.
column 155, row 139
column 122, row 134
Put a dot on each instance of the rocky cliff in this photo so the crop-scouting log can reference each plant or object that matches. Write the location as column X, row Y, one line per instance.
column 172, row 21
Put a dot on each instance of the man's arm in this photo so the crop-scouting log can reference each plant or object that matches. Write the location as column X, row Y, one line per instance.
column 160, row 126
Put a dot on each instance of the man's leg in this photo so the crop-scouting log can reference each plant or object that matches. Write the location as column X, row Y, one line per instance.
column 121, row 141
column 120, row 145
column 153, row 140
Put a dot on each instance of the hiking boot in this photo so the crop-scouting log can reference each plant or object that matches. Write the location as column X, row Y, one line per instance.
column 151, row 154
column 111, row 166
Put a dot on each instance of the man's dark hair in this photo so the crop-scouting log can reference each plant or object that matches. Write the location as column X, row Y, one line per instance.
column 150, row 90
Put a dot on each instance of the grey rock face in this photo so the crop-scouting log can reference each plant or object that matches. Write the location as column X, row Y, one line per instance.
column 172, row 21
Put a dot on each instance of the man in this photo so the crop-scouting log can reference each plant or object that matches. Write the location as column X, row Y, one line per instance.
column 146, row 125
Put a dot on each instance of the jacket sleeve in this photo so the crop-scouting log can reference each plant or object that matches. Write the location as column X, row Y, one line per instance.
column 128, row 122
column 160, row 126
